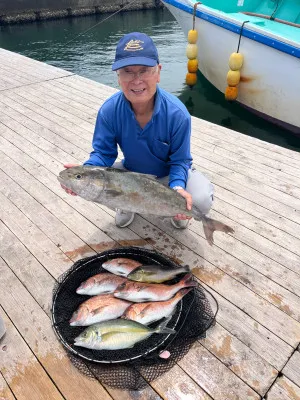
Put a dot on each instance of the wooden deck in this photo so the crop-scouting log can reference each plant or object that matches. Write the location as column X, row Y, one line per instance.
column 47, row 118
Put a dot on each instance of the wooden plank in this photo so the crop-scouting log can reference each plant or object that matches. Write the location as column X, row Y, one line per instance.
column 78, row 95
column 283, row 389
column 49, row 115
column 5, row 392
column 27, row 116
column 261, row 340
column 240, row 359
column 260, row 212
column 256, row 161
column 270, row 150
column 260, row 199
column 207, row 370
column 54, row 107
column 21, row 370
column 28, row 64
column 271, row 240
column 176, row 385
column 32, row 237
column 35, row 327
column 292, row 368
column 37, row 279
column 252, row 175
column 249, row 182
column 50, row 144
column 73, row 108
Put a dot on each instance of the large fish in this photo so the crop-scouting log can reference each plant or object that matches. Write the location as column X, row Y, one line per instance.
column 146, row 313
column 117, row 334
column 155, row 273
column 100, row 283
column 97, row 309
column 138, row 292
column 121, row 266
column 134, row 192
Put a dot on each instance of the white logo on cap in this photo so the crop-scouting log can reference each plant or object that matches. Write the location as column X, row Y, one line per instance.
column 134, row 45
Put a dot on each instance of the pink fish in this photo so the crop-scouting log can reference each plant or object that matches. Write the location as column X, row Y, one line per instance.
column 140, row 292
column 121, row 266
column 146, row 313
column 97, row 309
column 100, row 283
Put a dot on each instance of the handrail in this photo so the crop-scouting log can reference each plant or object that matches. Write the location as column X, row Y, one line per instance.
column 282, row 21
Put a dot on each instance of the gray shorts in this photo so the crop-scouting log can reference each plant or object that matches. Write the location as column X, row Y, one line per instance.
column 197, row 185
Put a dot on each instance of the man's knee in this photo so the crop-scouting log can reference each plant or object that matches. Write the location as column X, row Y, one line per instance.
column 201, row 190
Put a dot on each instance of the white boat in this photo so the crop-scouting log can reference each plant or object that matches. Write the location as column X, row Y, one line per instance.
column 269, row 42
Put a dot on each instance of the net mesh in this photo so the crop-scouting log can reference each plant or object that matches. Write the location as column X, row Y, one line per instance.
column 130, row 368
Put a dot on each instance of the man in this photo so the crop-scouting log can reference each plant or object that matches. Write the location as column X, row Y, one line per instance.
column 152, row 128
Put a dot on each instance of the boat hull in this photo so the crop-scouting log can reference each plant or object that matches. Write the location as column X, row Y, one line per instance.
column 270, row 83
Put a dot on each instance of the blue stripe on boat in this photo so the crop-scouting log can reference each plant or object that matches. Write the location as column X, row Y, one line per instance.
column 256, row 36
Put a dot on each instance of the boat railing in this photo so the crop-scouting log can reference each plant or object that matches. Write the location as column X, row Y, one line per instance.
column 282, row 21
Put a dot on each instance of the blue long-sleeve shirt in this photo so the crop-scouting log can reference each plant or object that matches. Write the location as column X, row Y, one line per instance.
column 161, row 148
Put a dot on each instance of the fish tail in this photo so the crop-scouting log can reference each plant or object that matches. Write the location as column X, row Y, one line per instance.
column 187, row 281
column 162, row 327
column 210, row 225
column 186, row 268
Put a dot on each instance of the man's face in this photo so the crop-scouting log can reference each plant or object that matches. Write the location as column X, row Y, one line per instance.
column 138, row 83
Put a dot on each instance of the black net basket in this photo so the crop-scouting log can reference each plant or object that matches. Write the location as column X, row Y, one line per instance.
column 130, row 368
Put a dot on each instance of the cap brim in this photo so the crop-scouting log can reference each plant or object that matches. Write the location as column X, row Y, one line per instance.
column 126, row 62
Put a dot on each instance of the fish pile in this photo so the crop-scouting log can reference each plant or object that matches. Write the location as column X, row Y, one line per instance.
column 134, row 192
column 125, row 301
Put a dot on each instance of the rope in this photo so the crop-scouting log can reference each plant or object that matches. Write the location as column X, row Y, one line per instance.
column 98, row 23
column 241, row 35
column 194, row 13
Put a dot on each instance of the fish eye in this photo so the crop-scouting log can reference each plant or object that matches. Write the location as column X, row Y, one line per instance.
column 78, row 176
column 122, row 285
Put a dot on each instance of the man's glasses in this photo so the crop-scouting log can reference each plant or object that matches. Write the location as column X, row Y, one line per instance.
column 145, row 73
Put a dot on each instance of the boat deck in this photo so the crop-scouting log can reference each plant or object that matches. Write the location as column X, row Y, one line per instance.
column 47, row 118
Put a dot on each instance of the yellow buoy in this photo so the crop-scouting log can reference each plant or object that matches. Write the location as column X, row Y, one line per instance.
column 192, row 65
column 192, row 36
column 236, row 61
column 231, row 93
column 191, row 78
column 233, row 77
column 191, row 51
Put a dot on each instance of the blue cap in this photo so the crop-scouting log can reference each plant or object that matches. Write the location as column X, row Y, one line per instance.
column 135, row 48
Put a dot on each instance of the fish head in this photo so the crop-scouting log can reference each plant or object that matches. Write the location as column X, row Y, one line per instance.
column 121, row 291
column 79, row 316
column 137, row 275
column 86, row 181
column 88, row 337
column 86, row 286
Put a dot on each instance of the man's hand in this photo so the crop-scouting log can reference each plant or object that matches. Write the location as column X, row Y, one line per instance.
column 69, row 191
column 189, row 203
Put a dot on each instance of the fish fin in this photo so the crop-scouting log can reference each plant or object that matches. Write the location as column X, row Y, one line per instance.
column 124, row 171
column 98, row 310
column 142, row 313
column 162, row 327
column 113, row 192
